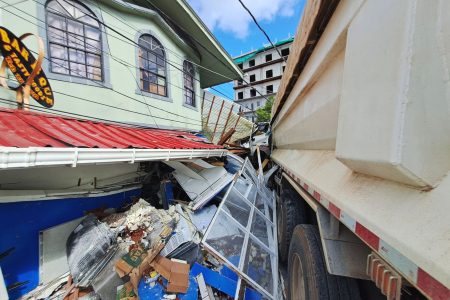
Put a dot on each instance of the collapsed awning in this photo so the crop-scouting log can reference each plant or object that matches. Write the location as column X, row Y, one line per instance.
column 33, row 139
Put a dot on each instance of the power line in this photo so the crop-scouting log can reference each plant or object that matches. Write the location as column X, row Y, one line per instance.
column 102, row 85
column 123, row 21
column 143, row 98
column 136, row 43
column 68, row 114
column 40, row 109
column 133, row 43
column 261, row 29
column 135, row 79
column 117, row 91
column 151, row 6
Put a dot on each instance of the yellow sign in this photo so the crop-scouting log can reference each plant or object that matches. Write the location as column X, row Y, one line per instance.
column 25, row 68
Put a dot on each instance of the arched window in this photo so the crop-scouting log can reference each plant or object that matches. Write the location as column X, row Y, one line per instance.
column 189, row 90
column 152, row 64
column 75, row 40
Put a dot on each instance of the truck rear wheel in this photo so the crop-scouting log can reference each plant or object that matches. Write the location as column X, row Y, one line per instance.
column 290, row 212
column 308, row 276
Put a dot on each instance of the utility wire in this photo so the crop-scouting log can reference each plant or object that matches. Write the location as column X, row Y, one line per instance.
column 154, row 7
column 261, row 29
column 115, row 91
column 66, row 113
column 128, row 41
column 135, row 79
column 134, row 42
column 123, row 21
column 63, row 113
column 102, row 85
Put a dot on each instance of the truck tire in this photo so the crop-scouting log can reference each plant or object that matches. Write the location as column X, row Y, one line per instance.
column 291, row 211
column 308, row 276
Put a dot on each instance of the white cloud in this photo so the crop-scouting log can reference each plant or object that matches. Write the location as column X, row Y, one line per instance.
column 230, row 16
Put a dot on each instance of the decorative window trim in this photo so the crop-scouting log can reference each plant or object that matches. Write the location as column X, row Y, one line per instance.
column 168, row 97
column 42, row 30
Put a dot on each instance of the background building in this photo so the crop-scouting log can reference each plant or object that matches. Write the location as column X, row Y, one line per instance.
column 263, row 69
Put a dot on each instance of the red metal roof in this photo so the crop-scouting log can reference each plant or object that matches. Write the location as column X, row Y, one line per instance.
column 29, row 129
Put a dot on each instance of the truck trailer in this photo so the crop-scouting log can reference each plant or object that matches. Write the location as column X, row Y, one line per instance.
column 361, row 133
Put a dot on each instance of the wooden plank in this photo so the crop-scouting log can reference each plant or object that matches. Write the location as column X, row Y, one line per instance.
column 226, row 122
column 217, row 122
column 264, row 164
column 210, row 109
column 226, row 136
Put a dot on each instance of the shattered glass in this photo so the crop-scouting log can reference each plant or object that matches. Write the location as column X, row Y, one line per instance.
column 260, row 227
column 242, row 186
column 245, row 227
column 237, row 207
column 258, row 265
column 226, row 238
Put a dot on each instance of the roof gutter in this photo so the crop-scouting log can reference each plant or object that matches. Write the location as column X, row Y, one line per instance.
column 315, row 19
column 13, row 158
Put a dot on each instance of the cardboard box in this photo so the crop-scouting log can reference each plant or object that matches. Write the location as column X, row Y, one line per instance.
column 129, row 261
column 144, row 266
column 122, row 268
column 179, row 278
column 176, row 273
column 163, row 266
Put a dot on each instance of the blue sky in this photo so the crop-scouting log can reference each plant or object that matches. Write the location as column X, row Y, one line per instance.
column 235, row 29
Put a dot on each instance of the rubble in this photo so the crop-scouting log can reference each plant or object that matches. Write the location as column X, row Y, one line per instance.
column 182, row 251
column 201, row 180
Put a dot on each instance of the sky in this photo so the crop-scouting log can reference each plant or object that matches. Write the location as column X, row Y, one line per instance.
column 236, row 31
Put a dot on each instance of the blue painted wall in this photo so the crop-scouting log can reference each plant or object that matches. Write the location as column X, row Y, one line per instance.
column 20, row 223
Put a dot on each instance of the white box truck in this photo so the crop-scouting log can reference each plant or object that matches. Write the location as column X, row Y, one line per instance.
column 361, row 132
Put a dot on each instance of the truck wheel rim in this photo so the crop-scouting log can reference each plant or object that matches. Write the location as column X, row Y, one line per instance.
column 297, row 280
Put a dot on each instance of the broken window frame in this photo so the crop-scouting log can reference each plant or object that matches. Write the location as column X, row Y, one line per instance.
column 272, row 248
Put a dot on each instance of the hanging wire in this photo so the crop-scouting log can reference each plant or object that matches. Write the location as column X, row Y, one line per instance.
column 102, row 85
column 151, row 6
column 122, row 62
column 261, row 29
column 114, row 57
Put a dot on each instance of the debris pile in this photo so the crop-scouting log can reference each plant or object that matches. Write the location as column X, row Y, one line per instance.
column 219, row 244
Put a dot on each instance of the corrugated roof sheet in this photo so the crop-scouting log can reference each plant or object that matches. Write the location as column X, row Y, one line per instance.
column 29, row 129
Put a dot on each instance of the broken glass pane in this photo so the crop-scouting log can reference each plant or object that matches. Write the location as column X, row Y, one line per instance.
column 242, row 186
column 259, row 203
column 250, row 173
column 260, row 227
column 252, row 194
column 226, row 238
column 236, row 206
column 247, row 199
column 258, row 265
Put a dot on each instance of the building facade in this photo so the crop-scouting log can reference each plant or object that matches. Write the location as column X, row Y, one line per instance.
column 262, row 69
column 111, row 64
column 121, row 61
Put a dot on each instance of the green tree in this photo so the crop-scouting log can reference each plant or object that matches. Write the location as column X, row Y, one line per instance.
column 263, row 114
